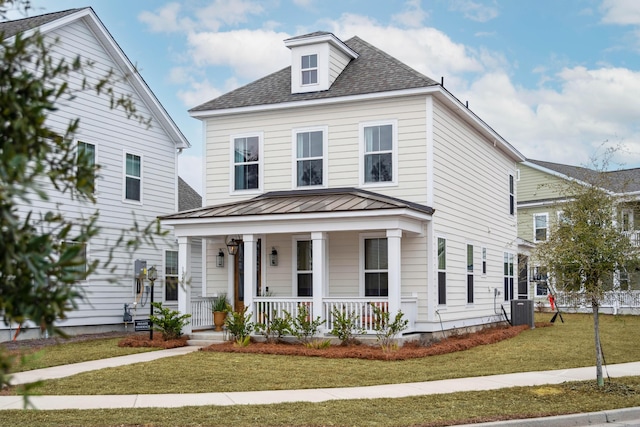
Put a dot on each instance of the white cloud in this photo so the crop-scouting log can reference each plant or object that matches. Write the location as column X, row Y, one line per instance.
column 475, row 11
column 621, row 12
column 250, row 53
column 212, row 17
column 412, row 15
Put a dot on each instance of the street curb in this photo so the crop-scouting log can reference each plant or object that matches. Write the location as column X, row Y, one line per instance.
column 573, row 420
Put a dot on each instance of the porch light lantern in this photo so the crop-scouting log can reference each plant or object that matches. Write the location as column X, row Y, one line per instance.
column 220, row 259
column 232, row 246
column 152, row 275
column 273, row 257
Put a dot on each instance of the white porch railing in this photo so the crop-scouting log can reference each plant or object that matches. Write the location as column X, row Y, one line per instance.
column 611, row 299
column 266, row 307
column 201, row 316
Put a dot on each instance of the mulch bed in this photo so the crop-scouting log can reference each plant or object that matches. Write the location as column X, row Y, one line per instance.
column 157, row 342
column 410, row 350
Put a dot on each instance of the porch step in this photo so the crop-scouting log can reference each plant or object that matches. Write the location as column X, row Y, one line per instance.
column 205, row 338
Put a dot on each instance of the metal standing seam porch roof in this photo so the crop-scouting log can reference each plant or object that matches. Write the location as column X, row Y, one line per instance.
column 302, row 202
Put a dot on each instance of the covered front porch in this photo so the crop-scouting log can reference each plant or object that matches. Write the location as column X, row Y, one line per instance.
column 324, row 250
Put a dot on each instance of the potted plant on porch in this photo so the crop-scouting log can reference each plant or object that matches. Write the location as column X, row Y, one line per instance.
column 220, row 308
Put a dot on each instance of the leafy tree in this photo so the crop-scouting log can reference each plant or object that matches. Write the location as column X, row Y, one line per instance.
column 586, row 247
column 39, row 268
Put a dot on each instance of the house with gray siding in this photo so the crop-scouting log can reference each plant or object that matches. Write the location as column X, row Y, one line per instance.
column 349, row 179
column 138, row 179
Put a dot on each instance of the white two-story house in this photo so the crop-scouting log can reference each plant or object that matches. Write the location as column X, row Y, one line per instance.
column 138, row 179
column 349, row 178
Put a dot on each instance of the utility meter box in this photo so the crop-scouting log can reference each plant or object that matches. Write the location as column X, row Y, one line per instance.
column 139, row 268
column 522, row 312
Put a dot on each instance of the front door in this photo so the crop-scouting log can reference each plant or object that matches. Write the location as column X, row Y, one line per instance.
column 238, row 301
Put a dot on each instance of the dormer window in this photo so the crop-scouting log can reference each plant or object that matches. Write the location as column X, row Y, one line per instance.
column 309, row 69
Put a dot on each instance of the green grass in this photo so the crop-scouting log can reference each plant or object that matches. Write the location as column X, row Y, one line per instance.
column 75, row 352
column 435, row 410
column 564, row 345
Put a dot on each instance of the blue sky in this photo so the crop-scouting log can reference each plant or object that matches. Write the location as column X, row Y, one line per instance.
column 560, row 80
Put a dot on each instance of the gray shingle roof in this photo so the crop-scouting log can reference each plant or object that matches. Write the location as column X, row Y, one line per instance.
column 188, row 198
column 372, row 72
column 11, row 28
column 304, row 201
column 619, row 181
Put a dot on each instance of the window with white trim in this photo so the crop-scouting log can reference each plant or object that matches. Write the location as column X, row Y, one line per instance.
column 77, row 265
column 309, row 157
column 309, row 67
column 304, row 267
column 484, row 261
column 379, row 148
column 508, row 276
column 171, row 276
column 512, row 196
column 540, row 227
column 539, row 277
column 246, row 163
column 86, row 154
column 442, row 271
column 469, row 274
column 133, row 177
column 376, row 267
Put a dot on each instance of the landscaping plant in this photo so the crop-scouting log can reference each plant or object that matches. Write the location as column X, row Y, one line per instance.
column 387, row 331
column 169, row 322
column 303, row 327
column 274, row 327
column 345, row 325
column 239, row 325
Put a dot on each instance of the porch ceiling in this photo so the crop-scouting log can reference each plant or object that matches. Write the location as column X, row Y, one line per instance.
column 303, row 210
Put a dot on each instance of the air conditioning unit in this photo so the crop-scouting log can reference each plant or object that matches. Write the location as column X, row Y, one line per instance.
column 522, row 312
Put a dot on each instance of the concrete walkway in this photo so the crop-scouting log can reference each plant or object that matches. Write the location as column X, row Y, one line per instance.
column 490, row 382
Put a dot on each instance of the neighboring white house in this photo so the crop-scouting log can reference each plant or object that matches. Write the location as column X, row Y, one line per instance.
column 349, row 178
column 138, row 180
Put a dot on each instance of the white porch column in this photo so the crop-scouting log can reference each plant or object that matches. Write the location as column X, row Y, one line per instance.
column 250, row 260
column 394, row 240
column 319, row 272
column 184, row 279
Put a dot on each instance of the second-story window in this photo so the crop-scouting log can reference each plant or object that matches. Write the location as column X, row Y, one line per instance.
column 133, row 177
column 87, row 155
column 246, row 163
column 540, row 227
column 378, row 153
column 309, row 68
column 309, row 158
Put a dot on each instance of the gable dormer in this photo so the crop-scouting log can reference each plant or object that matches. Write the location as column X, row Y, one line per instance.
column 317, row 59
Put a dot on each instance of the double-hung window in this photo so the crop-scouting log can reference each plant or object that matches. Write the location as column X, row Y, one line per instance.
column 171, row 276
column 85, row 175
column 246, row 163
column 304, row 269
column 379, row 151
column 540, row 227
column 309, row 69
column 508, row 276
column 133, row 177
column 512, row 196
column 310, row 151
column 469, row 274
column 442, row 271
column 376, row 267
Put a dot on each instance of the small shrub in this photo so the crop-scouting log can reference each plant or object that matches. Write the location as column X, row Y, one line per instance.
column 345, row 326
column 274, row 327
column 387, row 331
column 168, row 321
column 302, row 326
column 318, row 344
column 240, row 326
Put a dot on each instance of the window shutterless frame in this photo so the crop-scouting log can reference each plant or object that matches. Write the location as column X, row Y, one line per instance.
column 133, row 177
column 378, row 153
column 246, row 165
column 309, row 157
